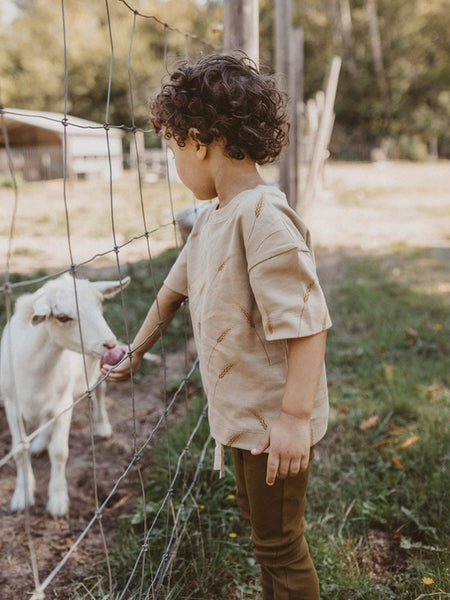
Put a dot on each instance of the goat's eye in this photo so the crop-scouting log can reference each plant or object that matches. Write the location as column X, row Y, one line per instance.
column 62, row 318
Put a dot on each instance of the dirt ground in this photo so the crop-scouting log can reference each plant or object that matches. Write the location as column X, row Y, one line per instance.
column 362, row 208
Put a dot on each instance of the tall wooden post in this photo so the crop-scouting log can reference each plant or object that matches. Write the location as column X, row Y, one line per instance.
column 323, row 134
column 283, row 50
column 241, row 27
column 377, row 56
column 296, row 96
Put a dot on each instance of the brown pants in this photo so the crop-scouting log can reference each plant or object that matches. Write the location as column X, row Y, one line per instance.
column 276, row 517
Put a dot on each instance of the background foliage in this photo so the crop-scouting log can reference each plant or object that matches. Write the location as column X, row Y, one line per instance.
column 408, row 119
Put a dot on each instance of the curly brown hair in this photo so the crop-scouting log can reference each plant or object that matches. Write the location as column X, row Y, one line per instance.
column 224, row 96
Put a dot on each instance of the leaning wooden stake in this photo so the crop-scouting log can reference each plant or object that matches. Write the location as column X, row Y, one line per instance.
column 322, row 139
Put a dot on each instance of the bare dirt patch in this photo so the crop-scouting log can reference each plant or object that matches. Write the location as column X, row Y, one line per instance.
column 384, row 555
column 364, row 208
column 52, row 538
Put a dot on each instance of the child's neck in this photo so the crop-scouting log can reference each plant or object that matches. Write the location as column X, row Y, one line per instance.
column 237, row 177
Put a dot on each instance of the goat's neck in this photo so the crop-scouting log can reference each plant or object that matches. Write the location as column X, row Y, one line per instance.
column 41, row 349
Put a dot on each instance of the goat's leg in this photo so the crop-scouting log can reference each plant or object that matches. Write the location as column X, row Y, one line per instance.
column 25, row 483
column 40, row 442
column 102, row 426
column 58, row 451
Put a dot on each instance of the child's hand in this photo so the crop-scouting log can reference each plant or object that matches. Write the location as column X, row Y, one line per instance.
column 122, row 371
column 289, row 443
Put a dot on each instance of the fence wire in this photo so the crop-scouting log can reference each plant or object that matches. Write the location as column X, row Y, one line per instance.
column 173, row 515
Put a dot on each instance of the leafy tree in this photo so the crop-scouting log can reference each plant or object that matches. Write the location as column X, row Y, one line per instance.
column 115, row 60
column 414, row 47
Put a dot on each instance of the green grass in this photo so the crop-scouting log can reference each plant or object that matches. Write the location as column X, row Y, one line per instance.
column 378, row 507
column 215, row 538
column 386, row 362
column 388, row 366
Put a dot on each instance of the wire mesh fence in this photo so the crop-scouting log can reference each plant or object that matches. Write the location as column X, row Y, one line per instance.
column 126, row 237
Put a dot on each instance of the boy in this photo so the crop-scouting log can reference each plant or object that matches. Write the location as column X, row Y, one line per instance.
column 259, row 316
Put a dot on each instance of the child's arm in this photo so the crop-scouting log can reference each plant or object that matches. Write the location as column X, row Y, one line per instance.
column 289, row 436
column 158, row 318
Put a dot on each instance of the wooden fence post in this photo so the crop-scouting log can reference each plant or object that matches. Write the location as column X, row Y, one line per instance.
column 295, row 90
column 283, row 49
column 241, row 27
column 323, row 135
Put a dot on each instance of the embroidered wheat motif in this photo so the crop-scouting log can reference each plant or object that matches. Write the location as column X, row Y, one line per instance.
column 259, row 418
column 222, row 335
column 226, row 370
column 259, row 207
column 247, row 315
column 269, row 325
column 220, row 339
column 233, row 439
column 223, row 264
column 308, row 291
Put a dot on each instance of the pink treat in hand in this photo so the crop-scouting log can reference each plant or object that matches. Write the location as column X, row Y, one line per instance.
column 112, row 357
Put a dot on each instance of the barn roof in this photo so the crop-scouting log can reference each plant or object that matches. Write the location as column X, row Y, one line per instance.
column 18, row 122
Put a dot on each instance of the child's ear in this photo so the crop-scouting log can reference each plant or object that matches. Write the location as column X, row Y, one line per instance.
column 201, row 149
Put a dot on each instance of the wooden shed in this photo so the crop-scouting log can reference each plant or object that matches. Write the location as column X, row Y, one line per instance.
column 36, row 141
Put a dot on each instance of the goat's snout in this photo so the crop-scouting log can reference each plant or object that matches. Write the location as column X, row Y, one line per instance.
column 109, row 344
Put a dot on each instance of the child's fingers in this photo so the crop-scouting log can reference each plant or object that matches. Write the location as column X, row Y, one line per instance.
column 284, row 468
column 273, row 464
column 294, row 468
column 263, row 445
column 116, row 373
column 304, row 464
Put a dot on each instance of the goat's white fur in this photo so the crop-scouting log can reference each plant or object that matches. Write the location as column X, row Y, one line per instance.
column 43, row 370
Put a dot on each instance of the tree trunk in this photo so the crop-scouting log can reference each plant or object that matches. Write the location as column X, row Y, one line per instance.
column 377, row 56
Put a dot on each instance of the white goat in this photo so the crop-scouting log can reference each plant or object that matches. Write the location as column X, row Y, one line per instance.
column 42, row 371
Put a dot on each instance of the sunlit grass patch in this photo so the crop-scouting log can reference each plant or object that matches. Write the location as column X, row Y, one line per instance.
column 384, row 464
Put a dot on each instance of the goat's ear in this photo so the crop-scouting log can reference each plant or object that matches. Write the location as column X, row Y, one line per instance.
column 41, row 311
column 110, row 288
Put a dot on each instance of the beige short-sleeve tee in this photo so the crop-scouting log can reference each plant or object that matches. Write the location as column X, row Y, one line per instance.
column 249, row 272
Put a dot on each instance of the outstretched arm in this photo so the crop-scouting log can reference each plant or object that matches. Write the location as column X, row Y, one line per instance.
column 158, row 318
column 288, row 438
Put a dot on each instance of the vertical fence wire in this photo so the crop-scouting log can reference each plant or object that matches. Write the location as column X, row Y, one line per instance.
column 175, row 512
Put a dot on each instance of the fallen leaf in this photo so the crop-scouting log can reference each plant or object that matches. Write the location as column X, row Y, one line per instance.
column 398, row 533
column 398, row 463
column 395, row 428
column 383, row 442
column 346, row 406
column 412, row 336
column 431, row 390
column 410, row 441
column 121, row 502
column 370, row 422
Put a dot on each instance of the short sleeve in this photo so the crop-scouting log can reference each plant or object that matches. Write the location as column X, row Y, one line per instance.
column 177, row 279
column 289, row 296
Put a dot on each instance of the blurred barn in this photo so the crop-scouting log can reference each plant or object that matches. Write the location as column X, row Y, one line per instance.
column 37, row 146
